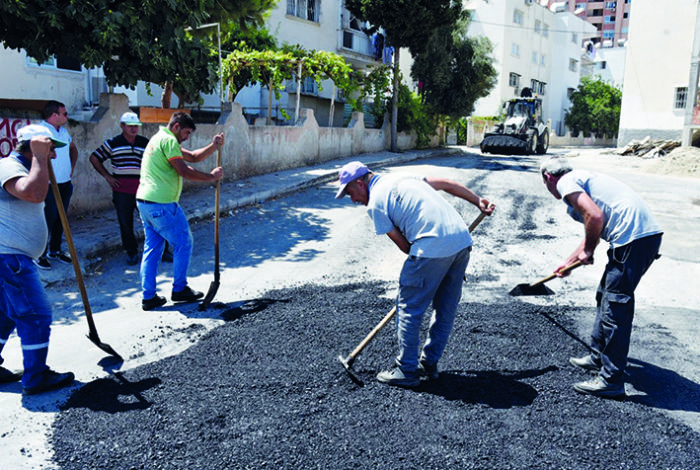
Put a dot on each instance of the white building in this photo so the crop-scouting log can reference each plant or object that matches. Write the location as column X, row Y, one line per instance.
column 661, row 72
column 534, row 47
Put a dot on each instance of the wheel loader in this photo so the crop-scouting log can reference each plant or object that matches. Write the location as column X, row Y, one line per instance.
column 522, row 132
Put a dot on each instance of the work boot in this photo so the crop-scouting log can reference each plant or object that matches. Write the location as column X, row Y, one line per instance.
column 428, row 371
column 585, row 362
column 600, row 387
column 7, row 376
column 62, row 257
column 186, row 295
column 50, row 380
column 153, row 302
column 399, row 378
column 42, row 263
column 132, row 260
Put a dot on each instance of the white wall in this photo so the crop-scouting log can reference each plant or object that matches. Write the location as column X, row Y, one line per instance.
column 658, row 59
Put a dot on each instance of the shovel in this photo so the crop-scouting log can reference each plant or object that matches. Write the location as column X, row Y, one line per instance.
column 92, row 336
column 538, row 288
column 214, row 286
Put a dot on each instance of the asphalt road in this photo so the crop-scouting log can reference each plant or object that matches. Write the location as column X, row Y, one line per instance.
column 304, row 279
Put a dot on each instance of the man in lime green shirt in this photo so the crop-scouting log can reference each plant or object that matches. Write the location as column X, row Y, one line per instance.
column 163, row 167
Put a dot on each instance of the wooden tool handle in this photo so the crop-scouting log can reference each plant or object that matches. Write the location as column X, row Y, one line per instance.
column 372, row 334
column 553, row 275
column 477, row 221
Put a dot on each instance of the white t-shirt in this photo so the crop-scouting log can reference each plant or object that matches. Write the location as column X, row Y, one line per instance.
column 61, row 164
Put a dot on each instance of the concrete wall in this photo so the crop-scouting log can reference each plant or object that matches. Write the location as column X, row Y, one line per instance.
column 248, row 150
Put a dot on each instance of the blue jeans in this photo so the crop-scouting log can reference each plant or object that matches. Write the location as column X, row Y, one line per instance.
column 53, row 220
column 424, row 281
column 25, row 306
column 610, row 339
column 161, row 223
column 125, row 204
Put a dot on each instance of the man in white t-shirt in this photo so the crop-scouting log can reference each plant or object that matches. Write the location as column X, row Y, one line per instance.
column 422, row 224
column 612, row 211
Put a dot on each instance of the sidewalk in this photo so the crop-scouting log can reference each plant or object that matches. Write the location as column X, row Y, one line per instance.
column 96, row 235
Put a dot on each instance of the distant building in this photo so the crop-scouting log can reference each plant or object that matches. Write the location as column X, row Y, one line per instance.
column 611, row 19
column 659, row 98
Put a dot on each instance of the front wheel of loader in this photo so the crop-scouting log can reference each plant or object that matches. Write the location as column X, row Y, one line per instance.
column 532, row 144
column 543, row 143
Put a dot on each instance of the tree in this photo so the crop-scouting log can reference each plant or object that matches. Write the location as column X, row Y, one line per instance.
column 405, row 23
column 595, row 108
column 132, row 39
column 454, row 71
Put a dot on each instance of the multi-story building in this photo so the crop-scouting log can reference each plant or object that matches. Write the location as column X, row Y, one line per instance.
column 534, row 47
column 611, row 19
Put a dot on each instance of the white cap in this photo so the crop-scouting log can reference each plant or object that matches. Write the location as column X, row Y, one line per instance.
column 130, row 119
column 27, row 133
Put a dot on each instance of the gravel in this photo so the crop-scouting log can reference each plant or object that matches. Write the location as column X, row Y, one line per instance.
column 266, row 390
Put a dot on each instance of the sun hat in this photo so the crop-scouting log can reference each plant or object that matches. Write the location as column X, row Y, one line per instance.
column 130, row 119
column 27, row 133
column 350, row 172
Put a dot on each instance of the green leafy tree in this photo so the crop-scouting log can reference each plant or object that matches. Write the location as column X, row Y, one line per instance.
column 405, row 23
column 455, row 70
column 595, row 108
column 132, row 39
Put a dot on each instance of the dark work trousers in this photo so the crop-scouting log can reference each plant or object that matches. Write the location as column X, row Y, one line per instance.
column 125, row 204
column 53, row 220
column 615, row 304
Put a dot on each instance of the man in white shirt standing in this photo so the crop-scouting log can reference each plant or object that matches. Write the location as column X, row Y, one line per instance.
column 55, row 117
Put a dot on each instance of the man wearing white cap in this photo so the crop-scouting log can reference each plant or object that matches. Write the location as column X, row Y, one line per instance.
column 24, row 305
column 422, row 224
column 124, row 153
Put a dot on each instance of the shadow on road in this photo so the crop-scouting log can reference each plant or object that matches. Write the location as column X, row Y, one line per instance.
column 662, row 388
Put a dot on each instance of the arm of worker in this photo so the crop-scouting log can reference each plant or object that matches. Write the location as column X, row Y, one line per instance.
column 200, row 154
column 397, row 237
column 34, row 186
column 186, row 171
column 462, row 192
column 73, row 153
column 97, row 164
column 593, row 226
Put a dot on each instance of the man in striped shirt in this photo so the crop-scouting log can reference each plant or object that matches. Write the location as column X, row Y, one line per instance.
column 124, row 153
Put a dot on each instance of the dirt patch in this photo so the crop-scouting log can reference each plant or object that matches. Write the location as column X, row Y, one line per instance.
column 265, row 390
column 682, row 161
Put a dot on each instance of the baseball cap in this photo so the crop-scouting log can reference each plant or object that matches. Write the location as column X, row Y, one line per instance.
column 27, row 133
column 350, row 172
column 130, row 119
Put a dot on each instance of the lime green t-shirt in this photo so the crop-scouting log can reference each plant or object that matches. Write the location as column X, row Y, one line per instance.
column 159, row 180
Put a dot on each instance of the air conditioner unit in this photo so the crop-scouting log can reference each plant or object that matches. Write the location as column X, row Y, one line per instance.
column 529, row 2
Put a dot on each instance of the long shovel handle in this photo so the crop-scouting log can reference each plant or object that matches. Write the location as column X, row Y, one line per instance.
column 73, row 253
column 387, row 318
column 217, row 200
column 573, row 265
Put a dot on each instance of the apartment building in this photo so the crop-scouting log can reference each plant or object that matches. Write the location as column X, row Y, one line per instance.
column 534, row 47
column 611, row 19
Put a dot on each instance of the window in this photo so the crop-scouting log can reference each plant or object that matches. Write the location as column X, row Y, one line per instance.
column 609, row 34
column 306, row 9
column 609, row 19
column 538, row 86
column 515, row 50
column 545, row 30
column 574, row 38
column 569, row 92
column 681, row 97
column 518, row 17
column 58, row 62
column 611, row 5
column 534, row 58
column 514, row 80
column 543, row 61
column 573, row 65
column 602, row 65
column 597, row 12
column 538, row 26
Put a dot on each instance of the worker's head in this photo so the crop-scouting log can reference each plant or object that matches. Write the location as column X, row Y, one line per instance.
column 551, row 170
column 130, row 124
column 181, row 125
column 354, row 181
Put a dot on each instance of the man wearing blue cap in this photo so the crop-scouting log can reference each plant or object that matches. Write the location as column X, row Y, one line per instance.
column 24, row 176
column 411, row 212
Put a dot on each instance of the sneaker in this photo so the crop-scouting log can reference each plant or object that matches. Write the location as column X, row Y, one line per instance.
column 153, row 302
column 398, row 378
column 62, row 257
column 42, row 263
column 167, row 257
column 132, row 260
column 50, row 380
column 600, row 387
column 186, row 295
column 7, row 376
column 585, row 362
column 427, row 371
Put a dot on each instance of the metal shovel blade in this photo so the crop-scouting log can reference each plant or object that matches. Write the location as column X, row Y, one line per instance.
column 529, row 289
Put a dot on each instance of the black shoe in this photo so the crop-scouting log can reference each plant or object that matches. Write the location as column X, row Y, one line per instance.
column 42, row 263
column 7, row 376
column 167, row 257
column 132, row 260
column 186, row 295
column 153, row 302
column 62, row 257
column 50, row 381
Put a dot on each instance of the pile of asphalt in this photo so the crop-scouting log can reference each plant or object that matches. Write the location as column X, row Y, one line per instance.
column 266, row 390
